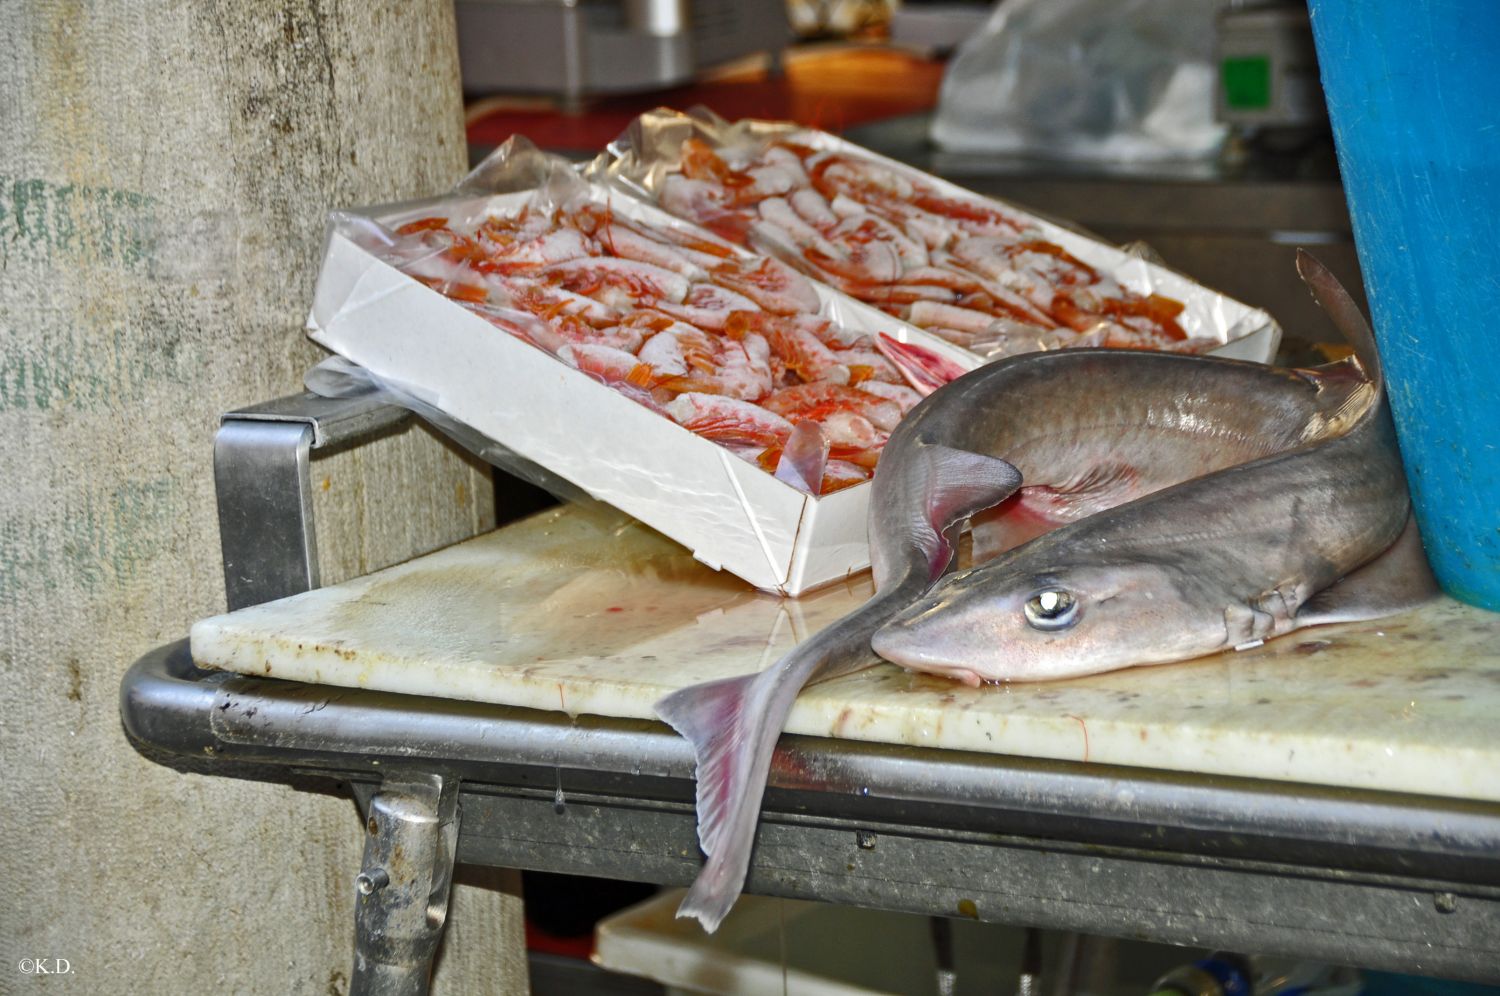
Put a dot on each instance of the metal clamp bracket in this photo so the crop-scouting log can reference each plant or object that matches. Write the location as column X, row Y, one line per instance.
column 403, row 884
column 263, row 484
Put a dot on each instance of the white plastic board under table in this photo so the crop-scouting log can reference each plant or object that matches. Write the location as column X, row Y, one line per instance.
column 595, row 613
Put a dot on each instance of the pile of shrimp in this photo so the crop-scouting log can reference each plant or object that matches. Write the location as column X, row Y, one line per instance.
column 959, row 268
column 729, row 347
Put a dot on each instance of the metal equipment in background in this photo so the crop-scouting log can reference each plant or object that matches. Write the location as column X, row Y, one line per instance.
column 576, row 49
column 1268, row 71
column 939, row 25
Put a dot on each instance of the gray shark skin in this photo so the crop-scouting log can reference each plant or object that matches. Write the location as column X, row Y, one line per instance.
column 1218, row 561
column 1084, row 431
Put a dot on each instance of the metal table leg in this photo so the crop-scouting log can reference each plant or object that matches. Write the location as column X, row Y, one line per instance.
column 403, row 886
column 270, row 549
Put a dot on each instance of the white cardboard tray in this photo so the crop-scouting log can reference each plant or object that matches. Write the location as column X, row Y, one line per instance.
column 731, row 514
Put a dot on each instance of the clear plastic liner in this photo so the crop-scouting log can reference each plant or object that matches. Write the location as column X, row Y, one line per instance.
column 651, row 149
column 1090, row 80
column 337, row 377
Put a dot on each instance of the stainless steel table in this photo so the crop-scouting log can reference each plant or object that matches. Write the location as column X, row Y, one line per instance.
column 1341, row 876
column 1379, row 880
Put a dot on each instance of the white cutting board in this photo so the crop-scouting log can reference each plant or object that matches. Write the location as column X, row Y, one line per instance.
column 591, row 612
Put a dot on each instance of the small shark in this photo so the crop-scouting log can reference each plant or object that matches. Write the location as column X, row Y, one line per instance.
column 1227, row 559
column 1052, row 439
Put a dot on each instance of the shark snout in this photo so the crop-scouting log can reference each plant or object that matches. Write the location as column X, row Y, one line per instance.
column 909, row 640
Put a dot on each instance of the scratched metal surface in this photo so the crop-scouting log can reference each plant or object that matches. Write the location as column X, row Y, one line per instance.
column 597, row 614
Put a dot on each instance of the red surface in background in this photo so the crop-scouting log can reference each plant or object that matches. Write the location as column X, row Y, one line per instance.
column 538, row 939
column 831, row 90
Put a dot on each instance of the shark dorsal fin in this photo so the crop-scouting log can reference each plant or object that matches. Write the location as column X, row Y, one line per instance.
column 1343, row 312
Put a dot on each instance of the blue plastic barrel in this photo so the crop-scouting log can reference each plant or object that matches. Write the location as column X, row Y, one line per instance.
column 1413, row 90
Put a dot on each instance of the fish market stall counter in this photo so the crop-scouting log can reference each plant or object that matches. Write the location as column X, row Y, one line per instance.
column 1335, row 794
column 591, row 613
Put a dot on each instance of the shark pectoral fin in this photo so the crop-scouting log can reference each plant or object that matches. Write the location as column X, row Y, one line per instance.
column 1397, row 580
column 954, row 485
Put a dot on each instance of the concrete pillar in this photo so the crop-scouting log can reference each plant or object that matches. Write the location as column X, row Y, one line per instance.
column 164, row 177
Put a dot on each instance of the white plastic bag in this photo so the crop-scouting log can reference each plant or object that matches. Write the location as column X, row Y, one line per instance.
column 1092, row 80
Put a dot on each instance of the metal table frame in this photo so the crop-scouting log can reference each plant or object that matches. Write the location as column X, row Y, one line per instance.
column 1379, row 880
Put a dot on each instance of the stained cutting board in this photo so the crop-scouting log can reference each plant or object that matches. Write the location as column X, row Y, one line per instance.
column 590, row 612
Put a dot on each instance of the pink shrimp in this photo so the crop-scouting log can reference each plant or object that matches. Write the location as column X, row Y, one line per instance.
column 722, row 419
column 707, row 306
column 549, row 302
column 556, row 246
column 866, row 364
column 744, row 369
column 882, row 187
column 619, row 282
column 836, row 174
column 864, row 263
column 866, row 228
column 620, row 337
column 778, row 217
column 722, row 366
column 939, row 274
column 904, row 397
column 785, row 159
column 707, row 203
column 840, row 474
column 606, row 364
column 696, row 243
column 817, row 401
column 930, row 313
column 900, row 296
column 767, row 181
column 769, row 283
column 627, row 243
column 679, row 349
column 802, row 352
column 833, row 336
column 813, row 208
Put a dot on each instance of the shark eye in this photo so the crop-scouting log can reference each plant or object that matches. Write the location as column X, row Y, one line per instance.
column 1051, row 609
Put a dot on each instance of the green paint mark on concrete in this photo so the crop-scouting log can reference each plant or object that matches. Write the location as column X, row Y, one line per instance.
column 43, row 220
column 141, row 519
column 73, row 374
column 97, row 540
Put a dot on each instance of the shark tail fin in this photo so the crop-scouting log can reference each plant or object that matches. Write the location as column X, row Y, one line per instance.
column 733, row 725
column 733, row 741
